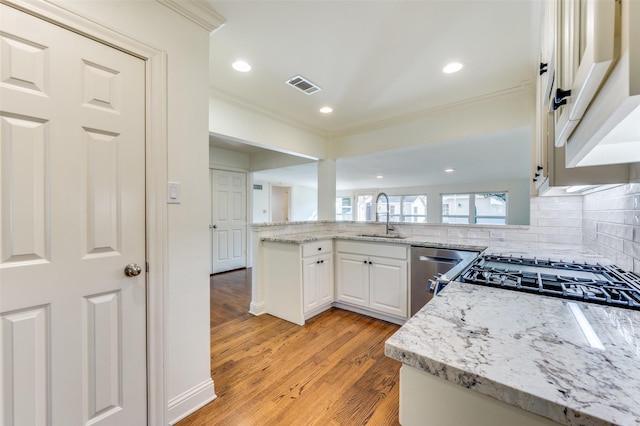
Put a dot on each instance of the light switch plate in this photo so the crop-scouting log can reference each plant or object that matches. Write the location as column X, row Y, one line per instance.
column 173, row 192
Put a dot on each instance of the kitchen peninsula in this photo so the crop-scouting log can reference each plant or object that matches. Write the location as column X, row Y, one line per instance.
column 521, row 350
column 484, row 356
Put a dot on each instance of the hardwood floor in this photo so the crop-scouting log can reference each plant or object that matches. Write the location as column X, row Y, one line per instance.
column 267, row 371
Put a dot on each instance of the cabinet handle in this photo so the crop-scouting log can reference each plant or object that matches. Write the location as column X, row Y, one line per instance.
column 560, row 98
column 365, row 262
column 370, row 263
column 319, row 248
column 543, row 68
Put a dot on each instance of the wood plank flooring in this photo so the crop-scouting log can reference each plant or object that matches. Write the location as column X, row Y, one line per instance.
column 267, row 371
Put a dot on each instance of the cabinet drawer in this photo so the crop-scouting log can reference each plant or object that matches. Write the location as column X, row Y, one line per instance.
column 394, row 251
column 317, row 247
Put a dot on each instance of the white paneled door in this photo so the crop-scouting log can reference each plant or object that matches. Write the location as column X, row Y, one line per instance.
column 228, row 220
column 72, row 216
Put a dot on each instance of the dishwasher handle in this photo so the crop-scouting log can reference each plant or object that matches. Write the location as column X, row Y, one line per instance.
column 439, row 259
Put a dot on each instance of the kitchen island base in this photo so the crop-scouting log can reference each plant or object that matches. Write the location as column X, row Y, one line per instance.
column 427, row 400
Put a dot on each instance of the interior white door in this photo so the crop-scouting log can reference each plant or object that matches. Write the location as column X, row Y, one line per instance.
column 72, row 215
column 228, row 220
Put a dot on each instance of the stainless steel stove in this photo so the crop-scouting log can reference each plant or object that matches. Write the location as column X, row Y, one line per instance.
column 603, row 284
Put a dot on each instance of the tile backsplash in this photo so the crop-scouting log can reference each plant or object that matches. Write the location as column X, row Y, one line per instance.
column 611, row 224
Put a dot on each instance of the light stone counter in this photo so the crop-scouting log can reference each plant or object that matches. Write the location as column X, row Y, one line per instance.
column 529, row 351
column 422, row 241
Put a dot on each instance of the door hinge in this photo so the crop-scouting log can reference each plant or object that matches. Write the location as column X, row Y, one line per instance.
column 146, row 266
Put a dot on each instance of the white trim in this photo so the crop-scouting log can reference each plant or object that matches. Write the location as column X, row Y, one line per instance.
column 190, row 401
column 157, row 234
column 199, row 12
column 257, row 308
column 156, row 172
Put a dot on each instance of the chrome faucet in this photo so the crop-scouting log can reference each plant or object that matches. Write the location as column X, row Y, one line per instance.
column 388, row 228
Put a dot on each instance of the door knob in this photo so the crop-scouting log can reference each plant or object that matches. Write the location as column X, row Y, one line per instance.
column 132, row 270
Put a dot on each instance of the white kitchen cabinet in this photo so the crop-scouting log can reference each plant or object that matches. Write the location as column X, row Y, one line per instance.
column 298, row 279
column 609, row 132
column 373, row 276
column 562, row 65
column 388, row 286
column 352, row 278
column 317, row 279
column 589, row 91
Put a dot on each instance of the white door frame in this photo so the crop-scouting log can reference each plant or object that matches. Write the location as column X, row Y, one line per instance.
column 155, row 188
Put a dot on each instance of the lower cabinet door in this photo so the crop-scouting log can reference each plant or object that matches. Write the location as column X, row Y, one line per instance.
column 317, row 281
column 324, row 279
column 352, row 275
column 388, row 279
column 310, row 268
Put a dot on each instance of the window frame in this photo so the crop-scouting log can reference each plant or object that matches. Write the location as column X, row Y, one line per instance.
column 472, row 216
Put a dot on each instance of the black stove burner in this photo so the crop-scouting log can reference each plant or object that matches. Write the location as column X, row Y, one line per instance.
column 607, row 285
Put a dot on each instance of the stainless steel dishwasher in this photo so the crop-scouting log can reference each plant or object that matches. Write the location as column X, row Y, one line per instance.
column 429, row 262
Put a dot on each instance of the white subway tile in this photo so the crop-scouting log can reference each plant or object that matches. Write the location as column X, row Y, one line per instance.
column 564, row 239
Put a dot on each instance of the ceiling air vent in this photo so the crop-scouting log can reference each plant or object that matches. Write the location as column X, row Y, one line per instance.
column 302, row 84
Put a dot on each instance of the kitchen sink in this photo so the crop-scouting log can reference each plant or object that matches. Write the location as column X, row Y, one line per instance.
column 390, row 236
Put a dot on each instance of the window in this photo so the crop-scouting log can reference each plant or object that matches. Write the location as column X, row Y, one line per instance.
column 364, row 209
column 404, row 208
column 455, row 208
column 491, row 208
column 479, row 208
column 344, row 210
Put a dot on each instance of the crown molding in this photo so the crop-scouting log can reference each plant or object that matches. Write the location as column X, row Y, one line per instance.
column 197, row 11
column 525, row 86
column 230, row 99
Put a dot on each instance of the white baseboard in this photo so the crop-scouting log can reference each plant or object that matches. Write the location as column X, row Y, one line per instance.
column 188, row 402
column 257, row 308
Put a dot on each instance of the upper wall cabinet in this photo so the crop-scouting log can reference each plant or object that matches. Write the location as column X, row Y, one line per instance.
column 584, row 53
column 609, row 132
column 577, row 57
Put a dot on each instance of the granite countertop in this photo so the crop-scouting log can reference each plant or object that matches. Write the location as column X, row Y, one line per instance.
column 529, row 351
column 422, row 241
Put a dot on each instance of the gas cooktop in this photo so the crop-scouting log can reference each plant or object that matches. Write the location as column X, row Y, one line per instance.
column 603, row 284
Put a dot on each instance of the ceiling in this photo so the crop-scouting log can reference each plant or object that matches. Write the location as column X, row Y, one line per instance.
column 487, row 158
column 373, row 60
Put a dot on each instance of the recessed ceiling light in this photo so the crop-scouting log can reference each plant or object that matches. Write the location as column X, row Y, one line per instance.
column 241, row 66
column 449, row 170
column 452, row 67
column 379, row 177
column 326, row 110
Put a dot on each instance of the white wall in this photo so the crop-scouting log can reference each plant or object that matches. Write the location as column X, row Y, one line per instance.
column 304, row 203
column 261, row 206
column 484, row 116
column 234, row 121
column 187, row 292
column 228, row 160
